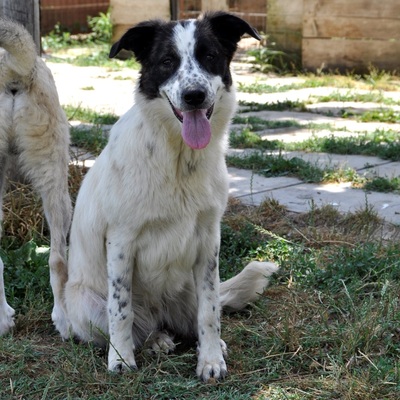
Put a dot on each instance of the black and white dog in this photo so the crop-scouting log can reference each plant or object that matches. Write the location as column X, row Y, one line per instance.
column 146, row 231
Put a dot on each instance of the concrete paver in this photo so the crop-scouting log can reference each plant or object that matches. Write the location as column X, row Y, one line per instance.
column 302, row 197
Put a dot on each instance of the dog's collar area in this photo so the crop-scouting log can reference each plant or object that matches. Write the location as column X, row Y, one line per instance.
column 179, row 115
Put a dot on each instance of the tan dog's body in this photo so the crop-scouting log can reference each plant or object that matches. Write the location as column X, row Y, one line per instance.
column 34, row 131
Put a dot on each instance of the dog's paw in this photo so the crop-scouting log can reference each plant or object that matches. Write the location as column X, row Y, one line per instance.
column 121, row 366
column 6, row 319
column 161, row 342
column 121, row 363
column 209, row 369
column 61, row 322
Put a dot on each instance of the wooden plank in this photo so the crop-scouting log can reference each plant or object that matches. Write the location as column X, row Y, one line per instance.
column 289, row 42
column 284, row 24
column 322, row 26
column 354, row 8
column 284, row 15
column 285, row 7
column 354, row 55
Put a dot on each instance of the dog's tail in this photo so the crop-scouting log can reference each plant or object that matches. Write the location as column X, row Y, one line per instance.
column 21, row 50
column 244, row 288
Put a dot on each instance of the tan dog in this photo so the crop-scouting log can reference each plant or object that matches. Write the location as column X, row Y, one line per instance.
column 34, row 131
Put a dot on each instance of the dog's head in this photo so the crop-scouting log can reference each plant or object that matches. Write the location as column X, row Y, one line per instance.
column 187, row 64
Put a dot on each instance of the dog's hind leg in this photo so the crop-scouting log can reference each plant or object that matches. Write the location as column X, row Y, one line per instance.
column 244, row 288
column 48, row 172
column 57, row 207
column 6, row 312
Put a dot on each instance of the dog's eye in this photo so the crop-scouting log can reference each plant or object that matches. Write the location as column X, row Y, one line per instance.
column 210, row 57
column 167, row 62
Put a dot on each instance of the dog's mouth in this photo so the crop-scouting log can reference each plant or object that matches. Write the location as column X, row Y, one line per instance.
column 196, row 128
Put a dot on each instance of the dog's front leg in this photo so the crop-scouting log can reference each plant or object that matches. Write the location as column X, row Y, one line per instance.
column 211, row 348
column 119, row 305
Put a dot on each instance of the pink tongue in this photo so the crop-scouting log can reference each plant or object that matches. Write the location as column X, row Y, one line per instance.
column 196, row 129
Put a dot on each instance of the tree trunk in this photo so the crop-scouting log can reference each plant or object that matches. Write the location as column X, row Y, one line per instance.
column 26, row 12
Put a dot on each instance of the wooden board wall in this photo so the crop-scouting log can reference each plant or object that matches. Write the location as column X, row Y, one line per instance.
column 351, row 35
column 284, row 24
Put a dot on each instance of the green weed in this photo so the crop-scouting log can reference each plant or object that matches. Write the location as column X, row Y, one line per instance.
column 381, row 143
column 277, row 165
column 90, row 116
column 383, row 184
column 247, row 106
column 258, row 124
column 101, row 27
column 267, row 59
column 373, row 97
column 246, row 139
column 92, row 139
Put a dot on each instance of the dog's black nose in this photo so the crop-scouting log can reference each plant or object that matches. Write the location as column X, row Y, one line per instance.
column 194, row 97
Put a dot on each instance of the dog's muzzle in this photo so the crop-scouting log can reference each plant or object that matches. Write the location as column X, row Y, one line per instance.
column 196, row 127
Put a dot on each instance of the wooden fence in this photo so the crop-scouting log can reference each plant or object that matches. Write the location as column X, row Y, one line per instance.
column 71, row 14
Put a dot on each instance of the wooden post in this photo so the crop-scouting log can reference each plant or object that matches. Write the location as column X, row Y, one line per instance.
column 27, row 13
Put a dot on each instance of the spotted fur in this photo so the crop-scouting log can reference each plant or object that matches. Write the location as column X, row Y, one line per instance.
column 146, row 230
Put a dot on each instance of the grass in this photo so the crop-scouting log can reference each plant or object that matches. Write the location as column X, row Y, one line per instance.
column 381, row 143
column 278, row 165
column 92, row 139
column 383, row 115
column 257, row 124
column 90, row 116
column 373, row 97
column 326, row 328
column 246, row 106
column 94, row 136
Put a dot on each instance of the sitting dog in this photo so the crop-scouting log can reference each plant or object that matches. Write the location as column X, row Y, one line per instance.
column 34, row 133
column 145, row 237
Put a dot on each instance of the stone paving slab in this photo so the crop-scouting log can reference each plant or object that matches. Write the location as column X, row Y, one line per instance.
column 95, row 88
column 337, row 107
column 375, row 165
column 302, row 94
column 387, row 170
column 302, row 197
column 305, row 118
column 246, row 183
column 337, row 160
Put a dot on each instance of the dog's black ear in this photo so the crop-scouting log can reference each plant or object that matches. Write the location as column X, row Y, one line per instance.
column 138, row 39
column 229, row 29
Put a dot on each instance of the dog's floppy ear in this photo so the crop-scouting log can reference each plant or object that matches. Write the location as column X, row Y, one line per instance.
column 229, row 29
column 138, row 39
